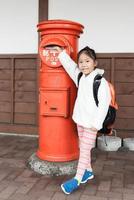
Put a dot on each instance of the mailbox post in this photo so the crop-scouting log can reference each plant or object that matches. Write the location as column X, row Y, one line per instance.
column 58, row 140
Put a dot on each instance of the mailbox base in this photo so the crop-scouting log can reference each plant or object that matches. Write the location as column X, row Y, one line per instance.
column 52, row 168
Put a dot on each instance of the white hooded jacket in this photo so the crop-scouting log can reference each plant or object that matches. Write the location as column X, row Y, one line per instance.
column 85, row 112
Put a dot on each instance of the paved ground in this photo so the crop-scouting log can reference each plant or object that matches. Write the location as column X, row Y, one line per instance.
column 114, row 175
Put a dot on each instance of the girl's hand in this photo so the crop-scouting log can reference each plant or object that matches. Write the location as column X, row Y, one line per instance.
column 58, row 49
column 93, row 129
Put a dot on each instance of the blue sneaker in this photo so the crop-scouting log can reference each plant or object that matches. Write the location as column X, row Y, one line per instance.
column 87, row 176
column 69, row 186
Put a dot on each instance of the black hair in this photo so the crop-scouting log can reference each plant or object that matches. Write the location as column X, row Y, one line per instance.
column 89, row 52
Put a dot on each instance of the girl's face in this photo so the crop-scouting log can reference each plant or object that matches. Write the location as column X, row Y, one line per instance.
column 86, row 64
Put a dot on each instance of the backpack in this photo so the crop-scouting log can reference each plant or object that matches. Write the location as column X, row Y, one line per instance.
column 111, row 114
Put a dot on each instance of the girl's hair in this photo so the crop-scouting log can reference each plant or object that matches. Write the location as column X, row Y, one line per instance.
column 89, row 52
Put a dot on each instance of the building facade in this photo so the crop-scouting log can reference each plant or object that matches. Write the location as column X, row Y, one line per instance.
column 19, row 61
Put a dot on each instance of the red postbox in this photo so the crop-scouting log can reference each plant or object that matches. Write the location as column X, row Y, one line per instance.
column 58, row 140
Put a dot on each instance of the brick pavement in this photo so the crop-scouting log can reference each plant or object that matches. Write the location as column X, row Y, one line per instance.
column 114, row 175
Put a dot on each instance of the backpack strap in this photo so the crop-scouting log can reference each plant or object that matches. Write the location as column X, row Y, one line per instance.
column 79, row 77
column 96, row 84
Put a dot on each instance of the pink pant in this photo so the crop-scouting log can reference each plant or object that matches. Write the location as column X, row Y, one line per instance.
column 87, row 140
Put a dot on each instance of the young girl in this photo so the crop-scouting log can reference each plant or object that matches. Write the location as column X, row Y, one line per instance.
column 88, row 117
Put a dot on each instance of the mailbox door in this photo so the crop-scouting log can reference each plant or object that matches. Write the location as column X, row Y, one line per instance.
column 54, row 102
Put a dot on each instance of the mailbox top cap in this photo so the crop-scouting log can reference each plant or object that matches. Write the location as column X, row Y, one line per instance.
column 60, row 25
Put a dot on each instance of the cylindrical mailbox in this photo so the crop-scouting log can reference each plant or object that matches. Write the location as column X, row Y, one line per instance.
column 58, row 140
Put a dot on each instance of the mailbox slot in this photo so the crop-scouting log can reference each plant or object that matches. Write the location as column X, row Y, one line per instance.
column 54, row 102
column 47, row 54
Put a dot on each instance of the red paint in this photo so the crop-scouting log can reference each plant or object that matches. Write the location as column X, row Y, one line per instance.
column 58, row 140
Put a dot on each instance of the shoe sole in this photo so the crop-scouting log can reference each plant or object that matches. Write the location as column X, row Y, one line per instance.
column 91, row 177
column 63, row 189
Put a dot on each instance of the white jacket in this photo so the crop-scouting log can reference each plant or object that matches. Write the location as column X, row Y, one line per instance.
column 85, row 112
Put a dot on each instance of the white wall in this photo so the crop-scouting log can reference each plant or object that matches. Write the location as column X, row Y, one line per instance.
column 18, row 20
column 109, row 24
